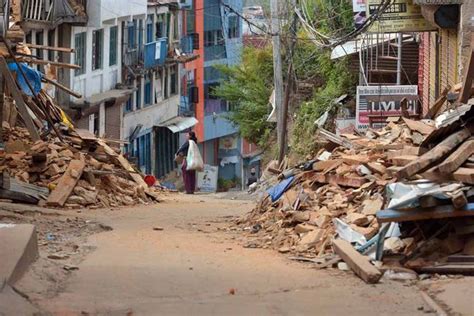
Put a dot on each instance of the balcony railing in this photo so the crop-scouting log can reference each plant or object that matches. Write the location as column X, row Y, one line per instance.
column 54, row 11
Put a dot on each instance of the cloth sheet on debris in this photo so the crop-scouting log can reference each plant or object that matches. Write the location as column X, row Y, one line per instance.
column 33, row 76
column 277, row 191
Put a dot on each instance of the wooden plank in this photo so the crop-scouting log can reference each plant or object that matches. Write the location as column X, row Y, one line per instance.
column 64, row 88
column 20, row 103
column 355, row 159
column 335, row 139
column 17, row 197
column 466, row 89
column 85, row 134
column 465, row 175
column 125, row 164
column 418, row 126
column 325, row 164
column 354, row 182
column 12, row 184
column 449, row 268
column 419, row 214
column 53, row 48
column 433, row 111
column 358, row 263
column 459, row 199
column 401, row 161
column 47, row 62
column 457, row 158
column 66, row 183
column 434, row 155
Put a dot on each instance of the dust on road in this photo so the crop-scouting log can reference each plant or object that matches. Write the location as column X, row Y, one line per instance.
column 196, row 265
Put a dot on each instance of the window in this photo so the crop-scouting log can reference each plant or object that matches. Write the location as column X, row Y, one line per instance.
column 233, row 29
column 51, row 42
column 113, row 46
column 129, row 105
column 140, row 34
column 138, row 95
column 173, row 80
column 149, row 29
column 160, row 27
column 148, row 90
column 190, row 21
column 80, row 55
column 132, row 27
column 39, row 52
column 97, row 49
column 213, row 38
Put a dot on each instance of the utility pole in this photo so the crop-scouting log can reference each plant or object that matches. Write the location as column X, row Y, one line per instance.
column 283, row 142
column 277, row 71
column 399, row 58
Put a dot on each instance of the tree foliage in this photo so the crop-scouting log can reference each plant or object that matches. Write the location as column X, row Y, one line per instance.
column 248, row 87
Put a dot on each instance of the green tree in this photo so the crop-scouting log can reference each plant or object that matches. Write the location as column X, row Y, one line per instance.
column 248, row 87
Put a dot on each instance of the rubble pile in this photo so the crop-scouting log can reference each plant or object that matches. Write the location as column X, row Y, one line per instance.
column 403, row 191
column 75, row 172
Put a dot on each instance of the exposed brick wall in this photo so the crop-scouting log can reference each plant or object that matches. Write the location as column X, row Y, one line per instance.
column 113, row 122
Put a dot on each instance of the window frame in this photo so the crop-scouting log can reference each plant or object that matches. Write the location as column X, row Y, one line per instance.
column 113, row 46
column 80, row 52
column 97, row 49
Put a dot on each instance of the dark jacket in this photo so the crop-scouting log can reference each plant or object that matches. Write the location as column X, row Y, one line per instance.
column 183, row 149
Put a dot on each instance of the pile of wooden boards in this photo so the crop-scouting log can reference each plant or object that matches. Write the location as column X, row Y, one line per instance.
column 79, row 171
column 346, row 189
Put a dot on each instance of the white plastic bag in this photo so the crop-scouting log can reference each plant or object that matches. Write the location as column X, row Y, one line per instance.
column 194, row 159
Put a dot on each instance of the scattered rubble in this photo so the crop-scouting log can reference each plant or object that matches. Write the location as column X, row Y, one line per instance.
column 400, row 194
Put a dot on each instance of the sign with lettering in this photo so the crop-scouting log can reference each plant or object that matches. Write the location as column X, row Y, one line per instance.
column 400, row 16
column 207, row 179
column 377, row 103
column 438, row 2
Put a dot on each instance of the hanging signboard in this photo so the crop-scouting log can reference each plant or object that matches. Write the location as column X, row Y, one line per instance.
column 400, row 16
column 207, row 179
column 377, row 103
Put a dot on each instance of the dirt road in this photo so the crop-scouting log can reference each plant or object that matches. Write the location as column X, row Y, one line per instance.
column 193, row 264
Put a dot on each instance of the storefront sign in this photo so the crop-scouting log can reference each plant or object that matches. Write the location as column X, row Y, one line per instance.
column 400, row 16
column 207, row 179
column 438, row 2
column 377, row 103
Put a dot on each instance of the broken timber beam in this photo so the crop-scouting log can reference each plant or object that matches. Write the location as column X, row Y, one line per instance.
column 66, row 183
column 419, row 214
column 335, row 139
column 47, row 62
column 465, row 175
column 433, row 111
column 20, row 102
column 53, row 48
column 466, row 89
column 457, row 158
column 358, row 263
column 354, row 182
column 434, row 155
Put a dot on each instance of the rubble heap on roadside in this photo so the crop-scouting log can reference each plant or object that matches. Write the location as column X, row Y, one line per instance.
column 360, row 182
column 82, row 171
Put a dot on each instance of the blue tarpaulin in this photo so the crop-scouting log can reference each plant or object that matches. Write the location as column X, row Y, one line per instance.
column 277, row 191
column 33, row 76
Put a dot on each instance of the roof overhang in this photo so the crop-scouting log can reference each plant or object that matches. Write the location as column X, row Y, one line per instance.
column 179, row 124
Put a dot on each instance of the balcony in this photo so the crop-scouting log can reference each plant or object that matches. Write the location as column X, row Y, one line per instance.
column 51, row 13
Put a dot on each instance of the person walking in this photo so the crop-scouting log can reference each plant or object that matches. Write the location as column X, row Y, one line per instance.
column 189, row 176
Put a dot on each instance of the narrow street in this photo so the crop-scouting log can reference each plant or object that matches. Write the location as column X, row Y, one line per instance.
column 193, row 265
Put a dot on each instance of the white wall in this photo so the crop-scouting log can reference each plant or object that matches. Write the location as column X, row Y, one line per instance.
column 100, row 80
column 102, row 10
column 151, row 116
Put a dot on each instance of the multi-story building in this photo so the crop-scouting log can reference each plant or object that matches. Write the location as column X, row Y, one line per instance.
column 152, row 117
column 217, row 32
column 95, row 30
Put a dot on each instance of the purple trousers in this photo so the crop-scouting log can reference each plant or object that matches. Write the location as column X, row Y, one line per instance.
column 189, row 177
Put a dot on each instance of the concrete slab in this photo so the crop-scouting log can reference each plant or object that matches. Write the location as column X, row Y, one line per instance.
column 11, row 303
column 18, row 249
